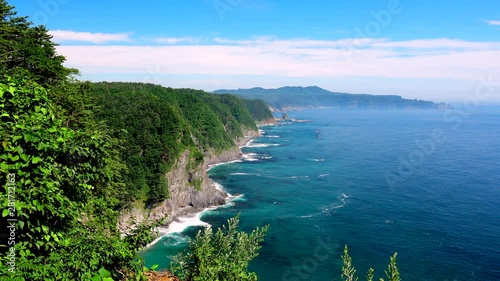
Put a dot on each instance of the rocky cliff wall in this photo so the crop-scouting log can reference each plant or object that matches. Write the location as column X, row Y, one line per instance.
column 190, row 190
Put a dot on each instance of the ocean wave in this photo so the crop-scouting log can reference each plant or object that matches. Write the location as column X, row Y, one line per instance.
column 285, row 177
column 239, row 174
column 246, row 174
column 330, row 209
column 324, row 175
column 262, row 144
column 273, row 136
column 181, row 223
column 250, row 157
column 223, row 163
column 174, row 239
column 236, row 198
column 298, row 177
column 255, row 157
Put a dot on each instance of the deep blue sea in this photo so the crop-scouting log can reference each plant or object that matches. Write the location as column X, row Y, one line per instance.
column 422, row 183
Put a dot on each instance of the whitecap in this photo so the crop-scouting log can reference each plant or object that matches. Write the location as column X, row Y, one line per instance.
column 250, row 157
column 180, row 224
column 239, row 174
column 222, row 163
column 263, row 144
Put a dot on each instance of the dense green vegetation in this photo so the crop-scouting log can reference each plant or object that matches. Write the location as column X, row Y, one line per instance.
column 65, row 191
column 157, row 124
column 27, row 51
column 223, row 255
column 74, row 154
column 302, row 97
column 258, row 109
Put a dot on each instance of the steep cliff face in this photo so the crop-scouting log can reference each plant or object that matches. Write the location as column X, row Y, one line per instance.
column 190, row 188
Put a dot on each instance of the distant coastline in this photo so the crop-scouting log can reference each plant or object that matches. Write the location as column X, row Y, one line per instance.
column 299, row 98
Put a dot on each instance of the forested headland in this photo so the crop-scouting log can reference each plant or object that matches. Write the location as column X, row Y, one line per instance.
column 75, row 155
column 77, row 159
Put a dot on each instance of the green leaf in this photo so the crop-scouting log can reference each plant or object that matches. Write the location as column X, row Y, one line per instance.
column 15, row 138
column 27, row 137
column 25, row 157
column 5, row 213
column 36, row 159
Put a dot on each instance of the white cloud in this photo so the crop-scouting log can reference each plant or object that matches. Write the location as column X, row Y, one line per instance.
column 97, row 38
column 295, row 58
column 493, row 22
column 442, row 43
column 176, row 40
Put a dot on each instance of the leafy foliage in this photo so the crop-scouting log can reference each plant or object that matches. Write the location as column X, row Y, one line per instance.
column 223, row 255
column 65, row 193
column 258, row 109
column 157, row 124
column 27, row 51
column 349, row 272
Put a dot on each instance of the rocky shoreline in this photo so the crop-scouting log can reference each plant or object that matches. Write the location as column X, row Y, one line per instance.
column 185, row 199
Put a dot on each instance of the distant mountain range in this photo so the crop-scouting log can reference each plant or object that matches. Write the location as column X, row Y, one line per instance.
column 292, row 98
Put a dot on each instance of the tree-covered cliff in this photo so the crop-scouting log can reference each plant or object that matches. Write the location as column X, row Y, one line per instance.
column 157, row 124
column 74, row 155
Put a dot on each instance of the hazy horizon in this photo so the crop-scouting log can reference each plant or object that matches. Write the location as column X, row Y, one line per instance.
column 418, row 50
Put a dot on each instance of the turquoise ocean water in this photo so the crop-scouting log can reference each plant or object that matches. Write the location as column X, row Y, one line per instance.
column 425, row 184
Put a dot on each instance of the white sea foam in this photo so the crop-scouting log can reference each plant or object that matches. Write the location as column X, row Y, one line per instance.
column 222, row 163
column 250, row 157
column 184, row 222
column 273, row 136
column 262, row 144
column 298, row 177
column 308, row 216
column 330, row 209
column 248, row 143
column 181, row 223
column 324, row 175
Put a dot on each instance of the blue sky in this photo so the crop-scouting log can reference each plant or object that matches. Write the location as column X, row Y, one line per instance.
column 438, row 50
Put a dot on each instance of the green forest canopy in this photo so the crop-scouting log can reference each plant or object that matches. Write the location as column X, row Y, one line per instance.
column 77, row 153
